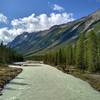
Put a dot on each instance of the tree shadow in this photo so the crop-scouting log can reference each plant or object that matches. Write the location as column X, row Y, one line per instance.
column 32, row 65
column 9, row 88
column 19, row 78
column 18, row 83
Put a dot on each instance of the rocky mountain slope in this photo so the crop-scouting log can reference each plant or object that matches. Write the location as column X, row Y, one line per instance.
column 32, row 43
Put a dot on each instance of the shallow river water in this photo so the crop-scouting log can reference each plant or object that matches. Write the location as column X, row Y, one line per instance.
column 43, row 82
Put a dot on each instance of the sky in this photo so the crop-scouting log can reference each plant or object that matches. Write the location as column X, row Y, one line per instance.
column 18, row 16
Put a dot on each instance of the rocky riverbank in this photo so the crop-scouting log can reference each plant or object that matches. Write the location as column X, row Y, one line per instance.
column 92, row 78
column 7, row 74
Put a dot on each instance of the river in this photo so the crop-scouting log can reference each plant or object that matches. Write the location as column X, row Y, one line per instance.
column 43, row 82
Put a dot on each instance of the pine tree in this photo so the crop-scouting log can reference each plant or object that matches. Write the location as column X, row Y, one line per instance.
column 85, row 54
column 80, row 52
column 99, row 52
column 74, row 54
column 7, row 55
column 92, row 51
column 60, row 57
column 69, row 55
column 56, row 58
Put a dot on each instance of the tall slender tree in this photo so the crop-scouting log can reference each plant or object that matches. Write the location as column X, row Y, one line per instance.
column 80, row 52
column 92, row 51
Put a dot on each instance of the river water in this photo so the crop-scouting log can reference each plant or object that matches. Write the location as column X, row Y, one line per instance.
column 43, row 82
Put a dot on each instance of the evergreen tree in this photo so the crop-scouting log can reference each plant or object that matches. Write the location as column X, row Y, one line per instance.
column 60, row 57
column 85, row 55
column 80, row 52
column 69, row 55
column 99, row 52
column 92, row 51
column 7, row 55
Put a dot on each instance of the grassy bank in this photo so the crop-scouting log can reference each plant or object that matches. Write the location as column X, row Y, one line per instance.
column 92, row 78
column 7, row 74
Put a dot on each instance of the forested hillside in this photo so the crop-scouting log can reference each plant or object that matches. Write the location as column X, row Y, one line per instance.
column 7, row 55
column 84, row 54
column 75, row 43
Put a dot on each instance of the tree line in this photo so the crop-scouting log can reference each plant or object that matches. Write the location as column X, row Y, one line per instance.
column 7, row 55
column 84, row 54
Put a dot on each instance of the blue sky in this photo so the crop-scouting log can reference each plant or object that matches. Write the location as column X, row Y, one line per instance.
column 20, row 8
column 18, row 16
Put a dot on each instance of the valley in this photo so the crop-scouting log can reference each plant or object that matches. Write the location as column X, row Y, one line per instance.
column 49, row 50
column 58, row 36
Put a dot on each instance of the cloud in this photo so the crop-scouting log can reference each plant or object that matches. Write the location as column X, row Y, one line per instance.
column 3, row 19
column 5, row 35
column 33, row 23
column 42, row 22
column 56, row 7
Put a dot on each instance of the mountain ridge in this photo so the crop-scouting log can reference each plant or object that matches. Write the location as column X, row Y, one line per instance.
column 35, row 42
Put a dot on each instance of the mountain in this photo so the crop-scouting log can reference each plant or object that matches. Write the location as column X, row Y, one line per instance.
column 56, row 36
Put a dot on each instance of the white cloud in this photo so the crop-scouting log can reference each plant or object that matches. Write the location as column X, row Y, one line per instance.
column 57, row 8
column 5, row 35
column 33, row 23
column 3, row 18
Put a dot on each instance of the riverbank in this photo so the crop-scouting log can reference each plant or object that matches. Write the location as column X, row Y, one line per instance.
column 7, row 74
column 92, row 78
column 44, row 82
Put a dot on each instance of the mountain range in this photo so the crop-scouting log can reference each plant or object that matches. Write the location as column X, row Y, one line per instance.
column 59, row 35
